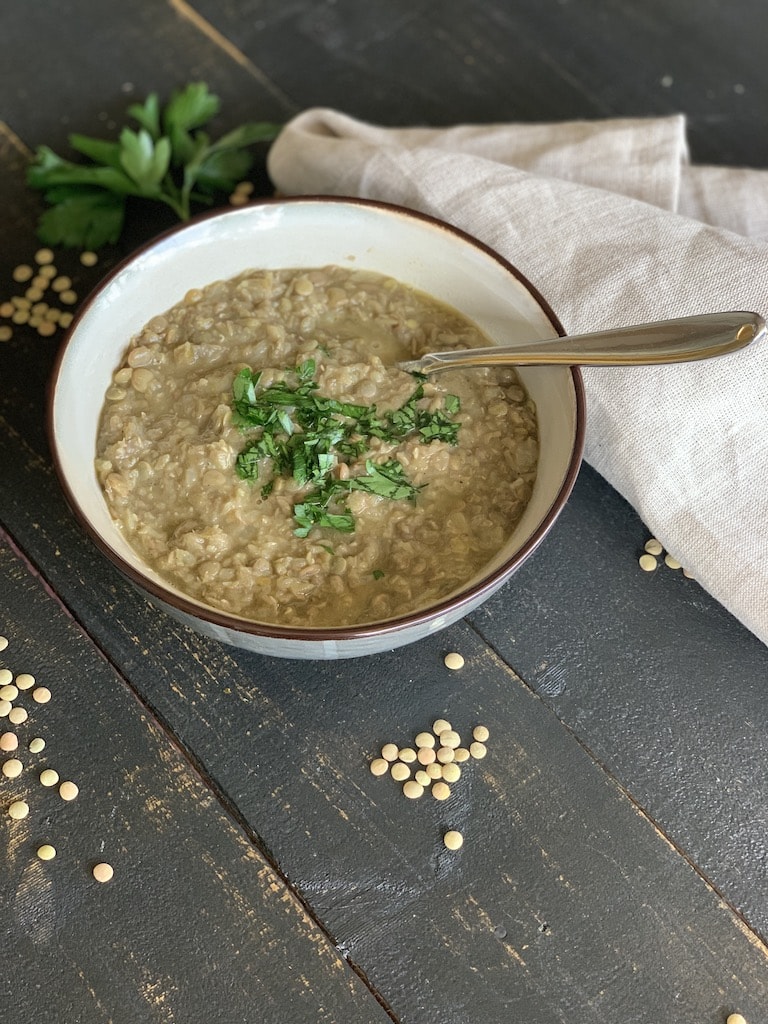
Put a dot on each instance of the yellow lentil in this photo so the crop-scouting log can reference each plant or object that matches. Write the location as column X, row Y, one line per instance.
column 5, row 676
column 379, row 766
column 407, row 754
column 441, row 791
column 8, row 741
column 6, row 333
column 46, row 329
column 453, row 840
column 5, row 707
column 6, row 309
column 9, row 692
column 17, row 715
column 389, row 751
column 425, row 755
column 41, row 695
column 434, row 770
column 451, row 772
column 36, row 744
column 480, row 733
column 68, row 296
column 21, row 316
column 25, row 681
column 422, row 777
column 103, row 872
column 47, row 272
column 61, row 284
column 400, row 772
column 735, row 1018
column 653, row 546
column 671, row 562
column 454, row 661
column 12, row 768
column 19, row 809
column 477, row 750
column 3, row 642
column 34, row 294
column 647, row 563
column 445, row 754
column 88, row 258
column 440, row 725
column 68, row 791
column 43, row 256
column 688, row 574
column 425, row 739
column 49, row 777
column 413, row 789
column 450, row 738
column 23, row 272
column 46, row 852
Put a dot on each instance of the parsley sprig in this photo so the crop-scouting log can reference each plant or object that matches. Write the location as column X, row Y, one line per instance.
column 304, row 435
column 168, row 159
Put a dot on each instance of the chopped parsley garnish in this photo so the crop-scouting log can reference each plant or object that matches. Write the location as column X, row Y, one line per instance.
column 305, row 435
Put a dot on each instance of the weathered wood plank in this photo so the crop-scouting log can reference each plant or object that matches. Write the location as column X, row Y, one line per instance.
column 195, row 923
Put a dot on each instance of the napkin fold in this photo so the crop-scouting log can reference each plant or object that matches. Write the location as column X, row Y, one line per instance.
column 614, row 225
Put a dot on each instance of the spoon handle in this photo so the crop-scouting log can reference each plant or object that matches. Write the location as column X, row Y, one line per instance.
column 664, row 341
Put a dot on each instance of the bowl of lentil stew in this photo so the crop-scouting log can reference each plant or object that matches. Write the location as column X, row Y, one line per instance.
column 436, row 491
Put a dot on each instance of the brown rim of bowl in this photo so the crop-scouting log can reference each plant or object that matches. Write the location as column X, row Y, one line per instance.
column 392, row 625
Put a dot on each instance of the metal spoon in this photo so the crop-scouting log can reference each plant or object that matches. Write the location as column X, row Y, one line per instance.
column 664, row 341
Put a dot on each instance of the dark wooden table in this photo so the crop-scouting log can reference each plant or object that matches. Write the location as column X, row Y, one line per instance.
column 615, row 858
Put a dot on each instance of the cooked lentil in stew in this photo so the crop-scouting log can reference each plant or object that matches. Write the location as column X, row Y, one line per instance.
column 169, row 441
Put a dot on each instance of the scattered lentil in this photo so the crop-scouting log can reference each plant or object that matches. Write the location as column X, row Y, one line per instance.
column 25, row 681
column 413, row 789
column 103, row 872
column 672, row 562
column 68, row 791
column 425, row 739
column 400, row 772
column 5, row 676
column 61, row 284
column 453, row 840
column 439, row 726
column 49, row 777
column 36, row 744
column 454, row 661
column 47, row 272
column 68, row 296
column 407, row 754
column 451, row 772
column 478, row 750
column 5, row 707
column 19, row 809
column 441, row 791
column 450, row 738
column 23, row 272
column 425, row 755
column 43, row 256
column 445, row 754
column 735, row 1018
column 379, row 766
column 88, row 258
column 9, row 741
column 688, row 574
column 480, row 733
column 17, row 715
column 3, row 642
column 647, row 563
column 434, row 770
column 461, row 754
column 423, row 778
column 46, row 852
column 12, row 768
column 6, row 333
column 9, row 692
column 390, row 751
column 41, row 695
column 653, row 546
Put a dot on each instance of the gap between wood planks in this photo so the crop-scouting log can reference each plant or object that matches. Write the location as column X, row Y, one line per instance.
column 743, row 925
column 183, row 10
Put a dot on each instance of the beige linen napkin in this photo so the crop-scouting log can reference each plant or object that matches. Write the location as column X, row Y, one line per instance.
column 613, row 225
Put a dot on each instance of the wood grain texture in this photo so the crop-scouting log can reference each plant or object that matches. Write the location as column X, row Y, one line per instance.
column 194, row 923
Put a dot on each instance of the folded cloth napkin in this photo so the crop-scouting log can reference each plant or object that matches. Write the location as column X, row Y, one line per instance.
column 614, row 226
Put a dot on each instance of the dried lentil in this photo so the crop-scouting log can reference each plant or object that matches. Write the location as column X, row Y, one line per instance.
column 423, row 778
column 425, row 739
column 19, row 809
column 41, row 695
column 480, row 733
column 441, row 791
column 413, row 789
column 425, row 755
column 5, row 707
column 445, row 754
column 44, row 256
column 5, row 676
column 653, row 546
column 451, row 772
column 478, row 750
column 407, row 754
column 454, row 661
column 49, row 777
column 12, row 768
column 46, row 852
column 8, row 741
column 17, row 715
column 647, row 563
column 434, row 770
column 671, row 562
column 25, row 680
column 68, row 791
column 439, row 726
column 103, row 872
column 9, row 692
column 453, row 840
column 461, row 754
column 379, row 766
column 36, row 744
column 390, row 751
column 3, row 642
column 88, row 258
column 450, row 738
column 400, row 772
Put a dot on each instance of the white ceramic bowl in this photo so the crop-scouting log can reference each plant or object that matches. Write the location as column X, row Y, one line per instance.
column 310, row 232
